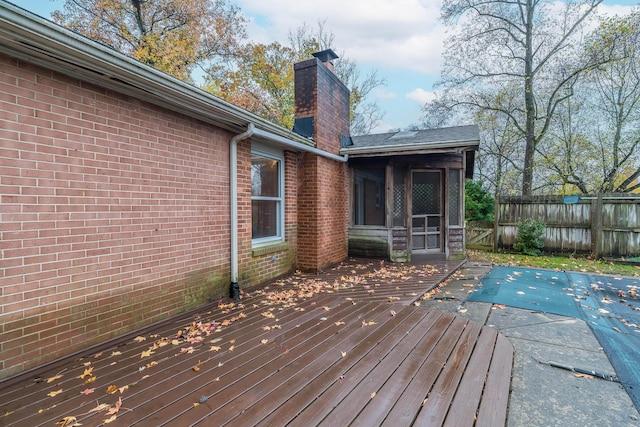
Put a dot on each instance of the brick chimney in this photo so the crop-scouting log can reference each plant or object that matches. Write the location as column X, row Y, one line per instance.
column 322, row 114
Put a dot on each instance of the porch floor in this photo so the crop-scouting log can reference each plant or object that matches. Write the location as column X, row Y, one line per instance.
column 348, row 346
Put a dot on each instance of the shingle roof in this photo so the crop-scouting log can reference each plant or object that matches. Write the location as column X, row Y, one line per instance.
column 425, row 140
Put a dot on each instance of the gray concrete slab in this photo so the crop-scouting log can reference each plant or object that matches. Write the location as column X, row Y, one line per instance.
column 544, row 395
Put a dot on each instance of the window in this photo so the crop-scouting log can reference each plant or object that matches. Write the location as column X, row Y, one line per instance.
column 369, row 196
column 267, row 201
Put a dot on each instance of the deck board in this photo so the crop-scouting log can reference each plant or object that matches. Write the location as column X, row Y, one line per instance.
column 311, row 357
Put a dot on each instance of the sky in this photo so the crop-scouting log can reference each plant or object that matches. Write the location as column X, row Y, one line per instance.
column 401, row 39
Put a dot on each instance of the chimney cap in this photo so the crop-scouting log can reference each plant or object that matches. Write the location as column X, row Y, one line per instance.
column 327, row 55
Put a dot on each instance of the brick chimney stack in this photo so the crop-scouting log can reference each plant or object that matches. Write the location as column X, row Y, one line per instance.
column 322, row 114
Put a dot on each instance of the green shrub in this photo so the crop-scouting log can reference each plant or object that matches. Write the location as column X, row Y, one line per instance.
column 529, row 238
column 478, row 202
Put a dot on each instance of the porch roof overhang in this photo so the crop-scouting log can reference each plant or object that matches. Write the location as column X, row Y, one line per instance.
column 459, row 140
column 456, row 139
column 33, row 39
column 405, row 150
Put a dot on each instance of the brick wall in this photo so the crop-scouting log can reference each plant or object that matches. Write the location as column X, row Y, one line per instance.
column 255, row 267
column 114, row 213
column 322, row 201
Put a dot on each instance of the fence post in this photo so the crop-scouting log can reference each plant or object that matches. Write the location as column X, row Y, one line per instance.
column 496, row 221
column 596, row 225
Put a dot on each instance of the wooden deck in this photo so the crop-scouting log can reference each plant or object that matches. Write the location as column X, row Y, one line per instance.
column 349, row 346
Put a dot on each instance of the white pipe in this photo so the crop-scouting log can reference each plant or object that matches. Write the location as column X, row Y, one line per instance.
column 233, row 168
column 299, row 146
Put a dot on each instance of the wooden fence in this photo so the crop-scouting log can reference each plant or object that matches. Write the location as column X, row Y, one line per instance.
column 606, row 225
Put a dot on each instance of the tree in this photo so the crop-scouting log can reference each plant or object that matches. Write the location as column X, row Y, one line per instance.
column 500, row 43
column 617, row 85
column 173, row 36
column 594, row 138
column 500, row 156
column 261, row 79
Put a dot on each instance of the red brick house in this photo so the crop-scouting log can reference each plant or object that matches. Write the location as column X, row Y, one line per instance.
column 127, row 196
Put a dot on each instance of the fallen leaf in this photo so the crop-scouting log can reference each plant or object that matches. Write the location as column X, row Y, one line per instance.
column 89, row 380
column 338, row 323
column 115, row 353
column 112, row 389
column 87, row 391
column 110, row 419
column 325, row 308
column 101, row 407
column 69, row 421
column 264, row 341
column 583, row 376
column 87, row 373
column 214, row 348
column 139, row 339
column 373, row 394
column 54, row 393
column 146, row 354
column 115, row 408
column 196, row 369
column 52, row 379
column 123, row 389
column 231, row 348
column 393, row 313
column 344, row 353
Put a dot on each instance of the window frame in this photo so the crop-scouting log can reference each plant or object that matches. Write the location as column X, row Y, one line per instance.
column 266, row 152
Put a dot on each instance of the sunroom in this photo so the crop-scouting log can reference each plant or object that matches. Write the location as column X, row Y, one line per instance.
column 407, row 192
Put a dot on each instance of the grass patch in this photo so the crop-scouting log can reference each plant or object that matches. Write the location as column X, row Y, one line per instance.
column 556, row 263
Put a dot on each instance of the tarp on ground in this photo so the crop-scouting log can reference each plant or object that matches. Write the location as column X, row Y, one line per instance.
column 609, row 305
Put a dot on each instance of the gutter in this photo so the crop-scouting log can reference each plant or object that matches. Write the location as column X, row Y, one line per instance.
column 431, row 146
column 233, row 183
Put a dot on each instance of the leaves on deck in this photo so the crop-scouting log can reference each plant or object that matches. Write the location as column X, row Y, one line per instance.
column 197, row 336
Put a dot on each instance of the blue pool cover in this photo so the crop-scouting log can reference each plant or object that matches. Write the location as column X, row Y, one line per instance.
column 609, row 305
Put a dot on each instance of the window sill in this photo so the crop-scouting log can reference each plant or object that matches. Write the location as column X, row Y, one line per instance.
column 269, row 248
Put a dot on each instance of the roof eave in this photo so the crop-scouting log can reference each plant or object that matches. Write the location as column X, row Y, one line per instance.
column 28, row 37
column 420, row 148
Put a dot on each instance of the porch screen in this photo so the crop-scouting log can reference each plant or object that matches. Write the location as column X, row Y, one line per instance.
column 454, row 197
column 368, row 194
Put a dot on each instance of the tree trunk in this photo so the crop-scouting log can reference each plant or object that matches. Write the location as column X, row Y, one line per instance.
column 530, row 113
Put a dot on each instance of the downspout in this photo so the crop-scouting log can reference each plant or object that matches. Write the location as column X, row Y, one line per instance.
column 233, row 168
column 233, row 158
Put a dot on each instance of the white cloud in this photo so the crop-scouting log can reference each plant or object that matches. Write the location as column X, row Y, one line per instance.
column 402, row 34
column 421, row 96
column 381, row 93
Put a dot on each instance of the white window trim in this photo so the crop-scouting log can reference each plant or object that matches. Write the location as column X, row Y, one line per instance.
column 278, row 155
